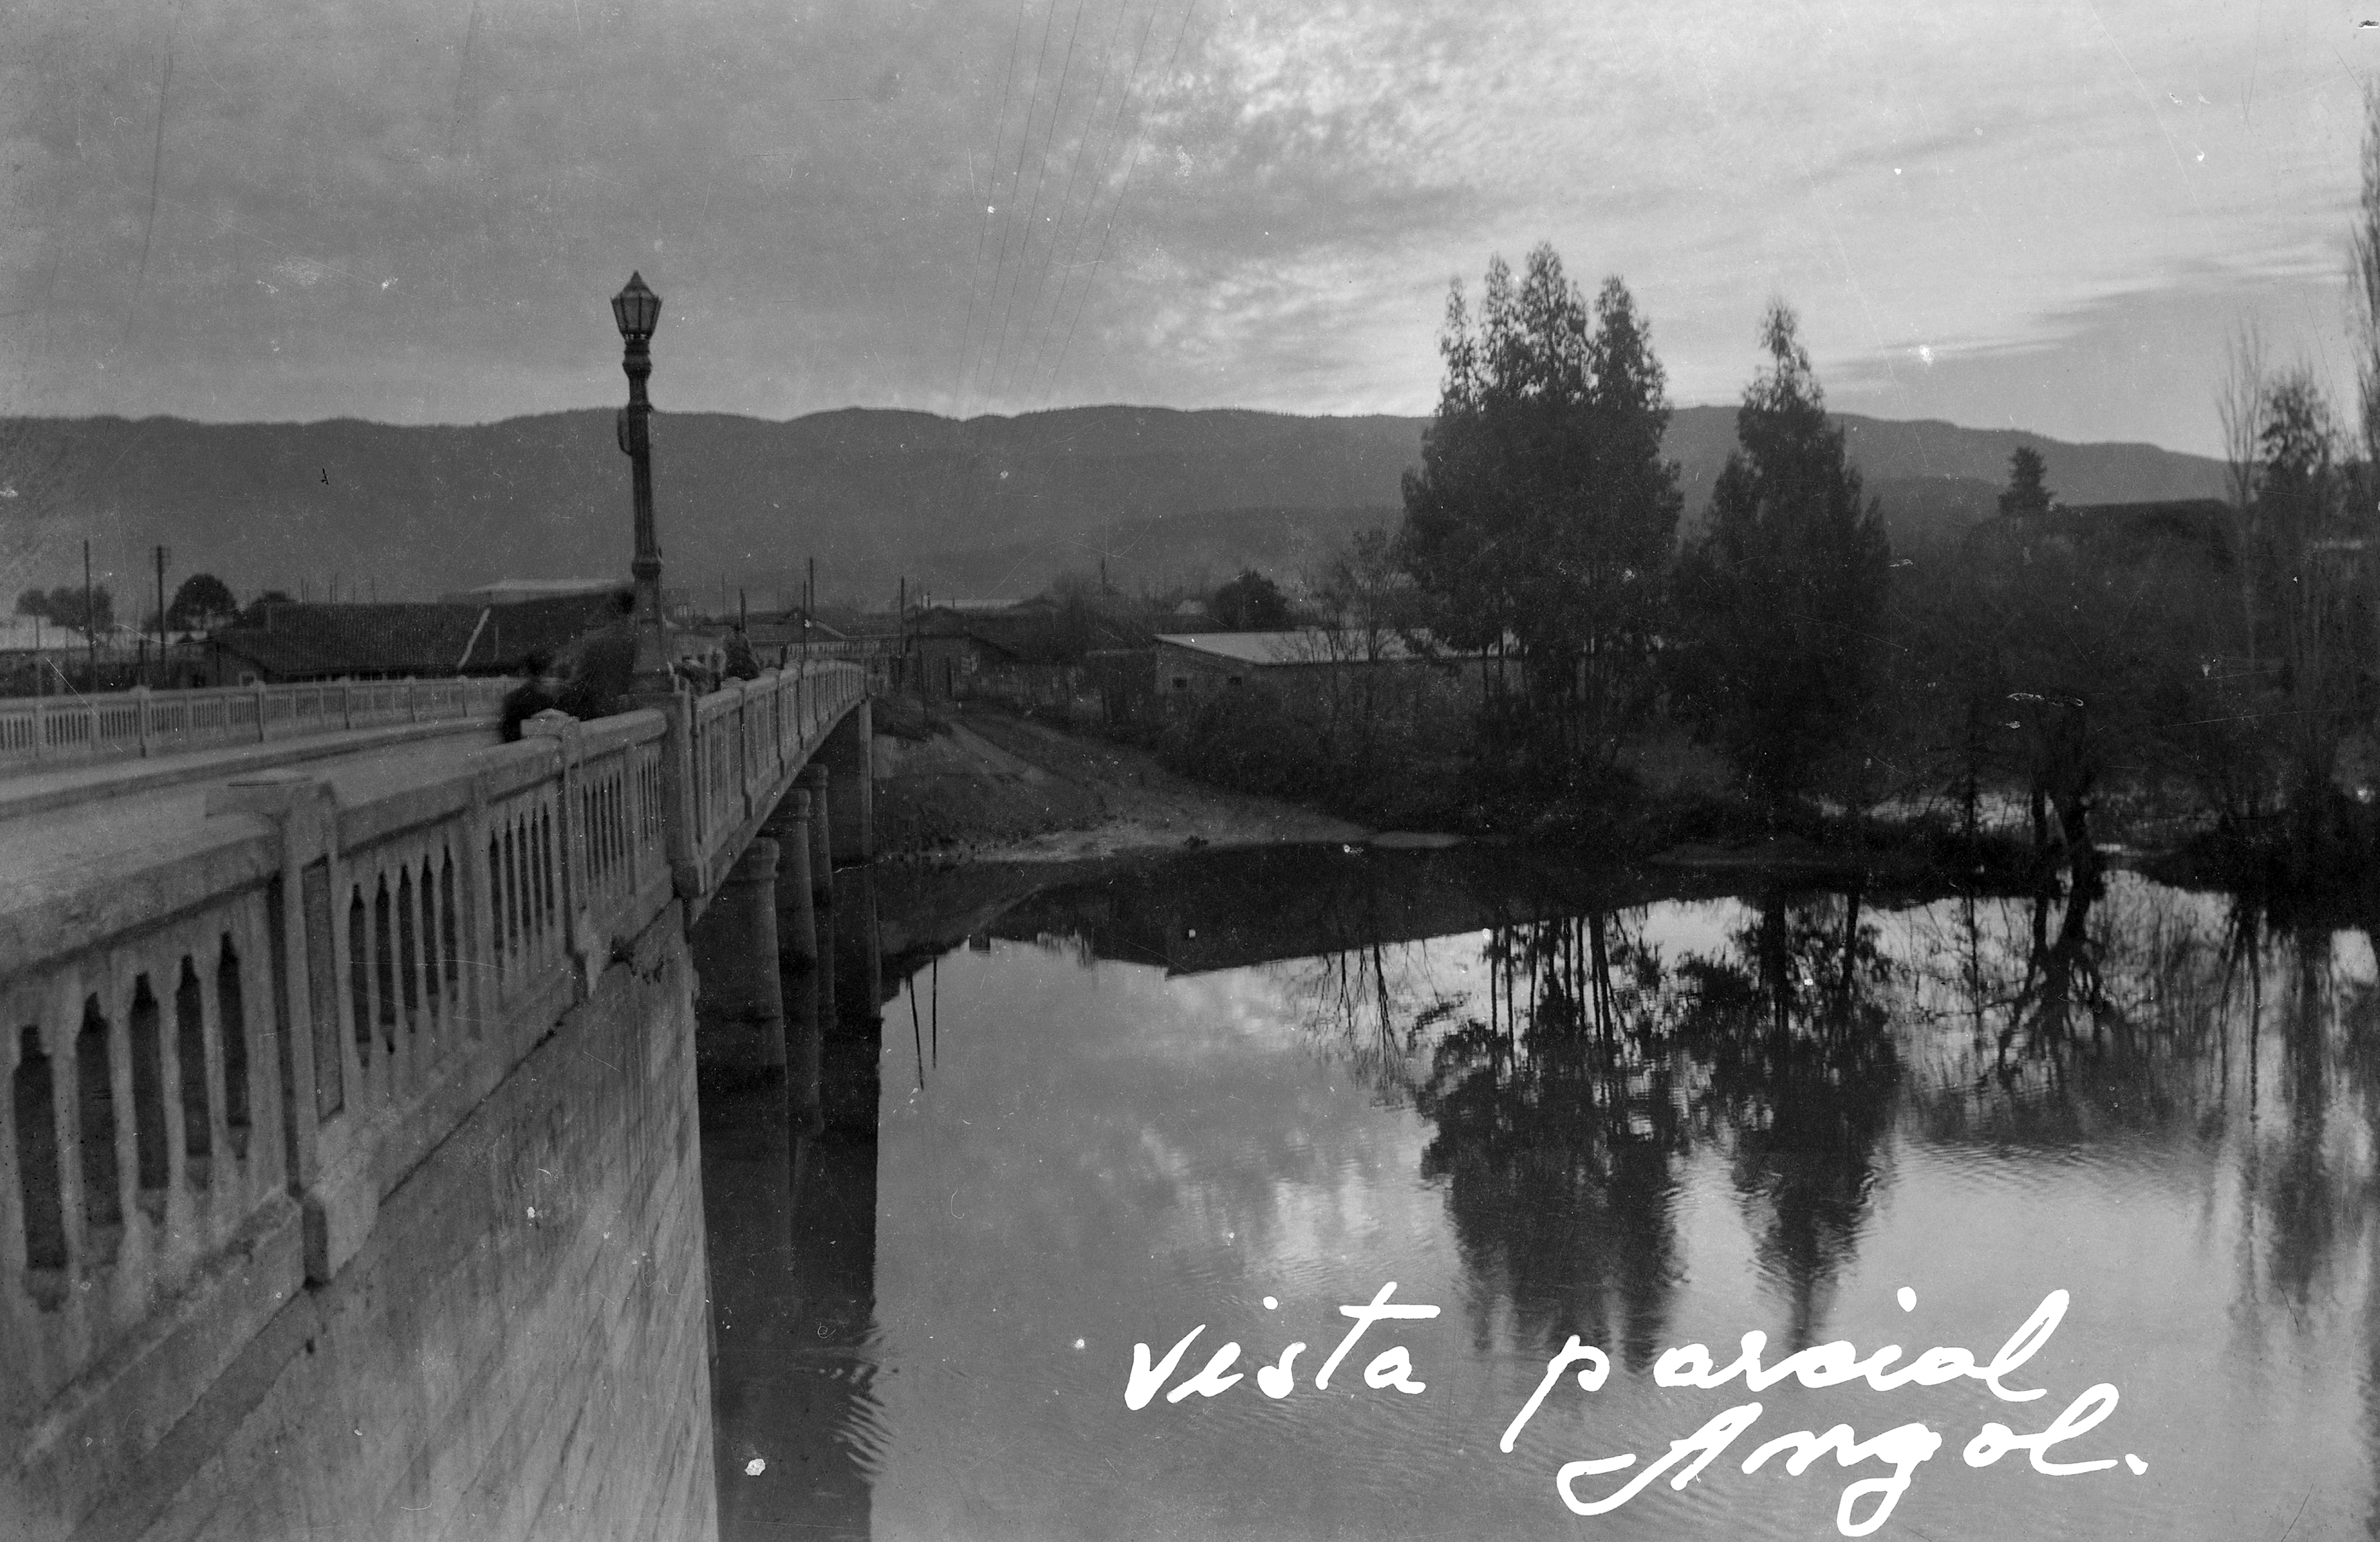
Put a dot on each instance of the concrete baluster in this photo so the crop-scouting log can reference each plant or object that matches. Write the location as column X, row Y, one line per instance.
column 588, row 951
column 304, row 1031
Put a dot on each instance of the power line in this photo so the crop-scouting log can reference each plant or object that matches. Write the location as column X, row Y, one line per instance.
column 1090, row 206
column 1066, row 198
column 156, row 169
column 1025, row 252
column 1015, row 175
column 1113, row 210
column 975, row 269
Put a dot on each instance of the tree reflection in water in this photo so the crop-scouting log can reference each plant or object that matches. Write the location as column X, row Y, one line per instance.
column 2119, row 1017
column 1566, row 1093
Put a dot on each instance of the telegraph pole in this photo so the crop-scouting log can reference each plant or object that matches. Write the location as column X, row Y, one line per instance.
column 161, row 555
column 89, row 622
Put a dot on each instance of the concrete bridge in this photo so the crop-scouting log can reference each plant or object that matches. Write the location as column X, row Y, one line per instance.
column 347, row 1182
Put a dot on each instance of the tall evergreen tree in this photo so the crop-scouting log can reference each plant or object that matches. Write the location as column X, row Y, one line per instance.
column 1543, row 513
column 2027, row 494
column 1778, row 602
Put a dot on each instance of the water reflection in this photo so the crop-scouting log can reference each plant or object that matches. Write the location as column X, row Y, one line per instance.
column 789, row 1193
column 1568, row 1102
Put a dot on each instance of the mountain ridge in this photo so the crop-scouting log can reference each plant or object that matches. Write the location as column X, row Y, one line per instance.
column 873, row 494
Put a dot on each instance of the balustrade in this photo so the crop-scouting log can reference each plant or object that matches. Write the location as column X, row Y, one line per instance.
column 140, row 722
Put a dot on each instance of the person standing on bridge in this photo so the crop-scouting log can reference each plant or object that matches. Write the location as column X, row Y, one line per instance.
column 601, row 667
column 535, row 694
column 591, row 679
column 740, row 662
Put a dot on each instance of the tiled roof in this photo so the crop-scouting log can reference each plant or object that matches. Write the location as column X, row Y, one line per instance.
column 1305, row 646
column 303, row 643
column 1030, row 631
column 511, row 591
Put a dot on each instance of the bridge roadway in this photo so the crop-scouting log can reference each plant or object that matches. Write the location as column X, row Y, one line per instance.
column 388, row 1052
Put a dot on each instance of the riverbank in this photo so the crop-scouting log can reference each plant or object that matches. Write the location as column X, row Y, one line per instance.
column 979, row 785
column 976, row 784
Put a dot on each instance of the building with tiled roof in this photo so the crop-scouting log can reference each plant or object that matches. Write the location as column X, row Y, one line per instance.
column 294, row 642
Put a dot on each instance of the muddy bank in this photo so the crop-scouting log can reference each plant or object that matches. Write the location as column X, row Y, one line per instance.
column 979, row 785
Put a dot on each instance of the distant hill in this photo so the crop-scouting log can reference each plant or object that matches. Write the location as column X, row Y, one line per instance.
column 989, row 507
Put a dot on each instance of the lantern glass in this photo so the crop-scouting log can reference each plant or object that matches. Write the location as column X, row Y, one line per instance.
column 637, row 309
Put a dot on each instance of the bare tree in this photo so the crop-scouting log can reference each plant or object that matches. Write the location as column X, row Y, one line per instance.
column 2240, row 410
column 2301, row 494
column 2364, row 280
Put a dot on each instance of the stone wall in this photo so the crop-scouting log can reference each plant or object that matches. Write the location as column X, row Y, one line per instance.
column 521, row 1348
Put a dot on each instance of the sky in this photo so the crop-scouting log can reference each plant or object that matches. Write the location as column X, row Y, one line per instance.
column 2044, row 215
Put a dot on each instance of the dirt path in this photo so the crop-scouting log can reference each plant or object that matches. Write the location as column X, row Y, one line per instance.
column 980, row 784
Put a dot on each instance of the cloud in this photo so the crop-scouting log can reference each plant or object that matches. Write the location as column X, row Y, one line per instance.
column 415, row 210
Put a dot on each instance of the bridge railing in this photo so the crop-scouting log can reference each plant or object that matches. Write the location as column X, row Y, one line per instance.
column 221, row 1051
column 129, row 724
column 747, row 736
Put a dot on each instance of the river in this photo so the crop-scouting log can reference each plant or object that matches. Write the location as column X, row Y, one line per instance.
column 1240, row 1092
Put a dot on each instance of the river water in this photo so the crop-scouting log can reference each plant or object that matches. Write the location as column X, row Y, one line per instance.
column 1239, row 1093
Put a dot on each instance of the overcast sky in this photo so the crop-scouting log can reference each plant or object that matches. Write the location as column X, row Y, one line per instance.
column 2039, row 215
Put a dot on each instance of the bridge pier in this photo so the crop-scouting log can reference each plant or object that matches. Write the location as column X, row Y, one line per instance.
column 852, row 1014
column 798, row 956
column 848, row 752
column 739, row 1003
column 814, row 780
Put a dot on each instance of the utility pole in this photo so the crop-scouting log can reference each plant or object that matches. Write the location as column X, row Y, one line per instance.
column 161, row 555
column 89, row 622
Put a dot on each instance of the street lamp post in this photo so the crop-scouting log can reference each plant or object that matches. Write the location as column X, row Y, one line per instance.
column 638, row 309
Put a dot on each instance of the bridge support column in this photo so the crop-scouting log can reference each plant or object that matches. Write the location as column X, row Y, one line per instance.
column 849, row 752
column 797, row 903
column 814, row 780
column 739, row 1007
column 852, row 1017
column 798, row 956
